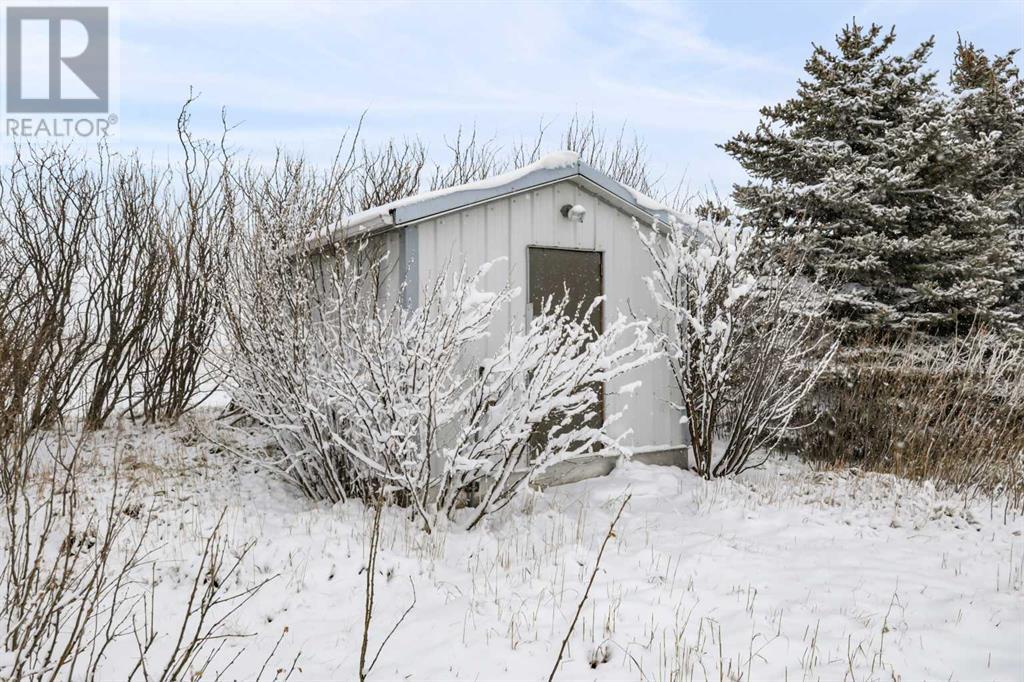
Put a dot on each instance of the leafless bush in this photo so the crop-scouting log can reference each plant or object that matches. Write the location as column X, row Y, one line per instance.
column 200, row 637
column 527, row 150
column 48, row 207
column 364, row 396
column 283, row 204
column 395, row 169
column 110, row 269
column 622, row 156
column 625, row 159
column 388, row 172
column 951, row 412
column 270, row 348
column 64, row 580
column 471, row 159
column 271, row 289
column 70, row 575
column 744, row 345
column 85, row 257
column 127, row 269
column 197, row 238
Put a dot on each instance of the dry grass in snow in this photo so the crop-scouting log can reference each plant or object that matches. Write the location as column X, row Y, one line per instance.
column 784, row 573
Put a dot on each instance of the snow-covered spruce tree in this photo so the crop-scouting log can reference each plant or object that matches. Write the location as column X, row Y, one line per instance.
column 989, row 103
column 864, row 171
column 365, row 398
column 745, row 347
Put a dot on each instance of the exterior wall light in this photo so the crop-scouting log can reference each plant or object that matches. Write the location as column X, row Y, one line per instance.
column 574, row 213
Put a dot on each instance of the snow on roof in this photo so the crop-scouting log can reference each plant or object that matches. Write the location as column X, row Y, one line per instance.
column 550, row 168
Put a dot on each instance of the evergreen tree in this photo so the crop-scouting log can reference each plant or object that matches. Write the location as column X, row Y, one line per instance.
column 989, row 102
column 862, row 172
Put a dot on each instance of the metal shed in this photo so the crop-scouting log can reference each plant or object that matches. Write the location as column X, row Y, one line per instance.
column 531, row 217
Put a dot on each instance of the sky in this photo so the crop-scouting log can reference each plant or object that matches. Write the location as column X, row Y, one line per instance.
column 684, row 76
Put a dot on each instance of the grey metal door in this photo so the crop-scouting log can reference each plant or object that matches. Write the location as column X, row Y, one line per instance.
column 553, row 272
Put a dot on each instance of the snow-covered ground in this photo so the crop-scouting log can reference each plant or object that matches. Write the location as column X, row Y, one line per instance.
column 783, row 574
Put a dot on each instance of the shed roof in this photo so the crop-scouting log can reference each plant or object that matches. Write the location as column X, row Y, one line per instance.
column 546, row 170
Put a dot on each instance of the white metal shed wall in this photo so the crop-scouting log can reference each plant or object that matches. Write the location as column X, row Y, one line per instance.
column 506, row 227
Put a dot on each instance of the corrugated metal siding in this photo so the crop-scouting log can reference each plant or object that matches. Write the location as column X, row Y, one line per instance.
column 386, row 247
column 506, row 228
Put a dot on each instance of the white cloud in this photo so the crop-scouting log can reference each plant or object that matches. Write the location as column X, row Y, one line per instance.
column 677, row 34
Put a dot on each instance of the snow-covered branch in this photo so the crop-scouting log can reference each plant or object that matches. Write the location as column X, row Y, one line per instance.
column 744, row 347
column 365, row 397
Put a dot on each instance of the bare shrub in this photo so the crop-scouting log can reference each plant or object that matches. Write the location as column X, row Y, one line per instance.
column 471, row 159
column 111, row 268
column 63, row 579
column 196, row 223
column 48, row 207
column 70, row 575
column 744, row 343
column 285, row 204
column 127, row 270
column 395, row 169
column 388, row 172
column 624, row 158
column 110, row 272
column 364, row 396
column 270, row 348
column 200, row 635
column 951, row 412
